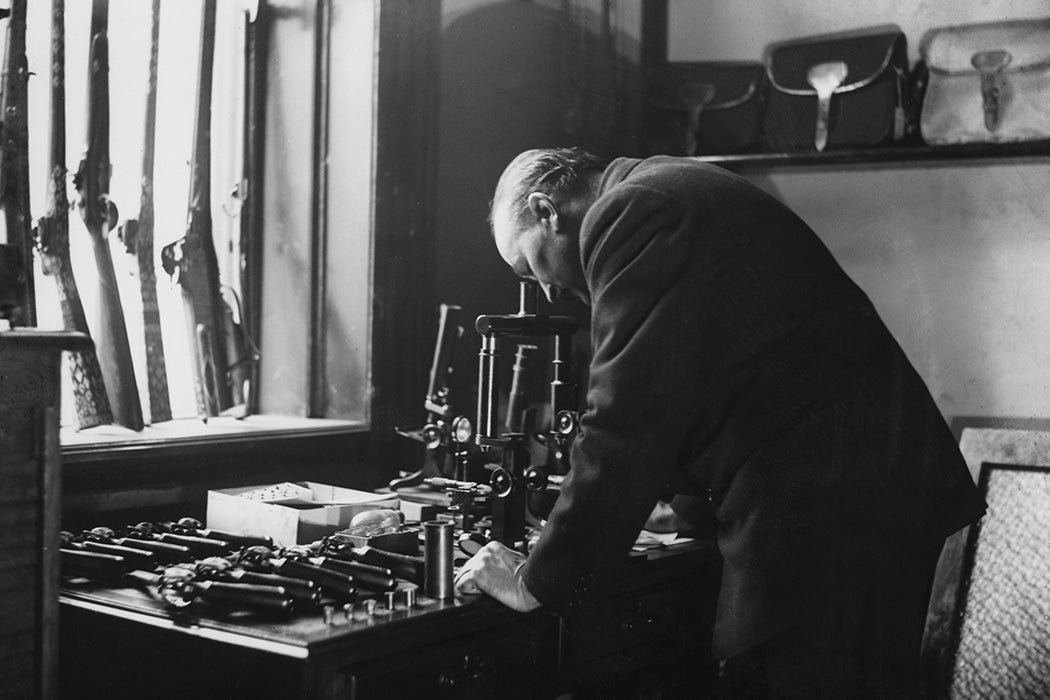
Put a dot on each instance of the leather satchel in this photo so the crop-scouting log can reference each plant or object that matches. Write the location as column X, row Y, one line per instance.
column 988, row 82
column 837, row 90
column 705, row 108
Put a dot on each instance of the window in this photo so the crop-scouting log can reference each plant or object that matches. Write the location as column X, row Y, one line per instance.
column 305, row 271
column 129, row 50
column 348, row 175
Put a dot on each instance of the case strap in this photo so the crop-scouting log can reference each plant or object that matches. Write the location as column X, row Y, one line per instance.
column 825, row 79
column 991, row 64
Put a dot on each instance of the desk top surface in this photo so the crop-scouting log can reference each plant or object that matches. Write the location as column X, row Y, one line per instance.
column 306, row 633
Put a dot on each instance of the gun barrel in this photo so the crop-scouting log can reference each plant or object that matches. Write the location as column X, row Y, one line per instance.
column 99, row 214
column 139, row 558
column 298, row 589
column 268, row 598
column 77, row 562
column 373, row 578
column 197, row 267
column 332, row 582
column 165, row 551
column 405, row 566
column 14, row 165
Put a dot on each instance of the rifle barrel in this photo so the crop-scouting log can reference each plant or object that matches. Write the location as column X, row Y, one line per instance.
column 89, row 388
column 138, row 236
column 198, row 267
column 99, row 214
column 14, row 158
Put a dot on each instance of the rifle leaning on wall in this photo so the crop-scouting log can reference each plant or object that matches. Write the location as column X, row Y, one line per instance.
column 137, row 235
column 14, row 159
column 100, row 215
column 223, row 355
column 89, row 388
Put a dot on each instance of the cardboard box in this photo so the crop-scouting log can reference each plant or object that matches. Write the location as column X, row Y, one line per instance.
column 416, row 512
column 290, row 512
column 404, row 541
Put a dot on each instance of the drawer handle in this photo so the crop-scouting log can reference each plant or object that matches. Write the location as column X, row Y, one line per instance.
column 470, row 670
column 636, row 620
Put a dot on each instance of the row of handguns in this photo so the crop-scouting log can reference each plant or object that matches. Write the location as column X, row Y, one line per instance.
column 182, row 562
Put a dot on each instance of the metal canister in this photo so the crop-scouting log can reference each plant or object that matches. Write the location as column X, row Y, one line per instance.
column 437, row 555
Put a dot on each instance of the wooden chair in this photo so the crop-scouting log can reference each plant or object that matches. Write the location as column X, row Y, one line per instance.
column 988, row 626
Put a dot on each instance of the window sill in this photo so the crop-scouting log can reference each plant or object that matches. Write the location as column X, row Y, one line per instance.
column 188, row 436
column 113, row 475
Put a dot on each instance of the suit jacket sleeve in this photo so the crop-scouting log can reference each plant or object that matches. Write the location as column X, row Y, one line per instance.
column 645, row 289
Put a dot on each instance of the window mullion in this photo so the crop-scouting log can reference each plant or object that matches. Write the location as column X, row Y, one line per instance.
column 317, row 363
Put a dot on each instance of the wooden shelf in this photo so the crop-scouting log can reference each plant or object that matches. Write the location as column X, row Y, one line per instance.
column 890, row 156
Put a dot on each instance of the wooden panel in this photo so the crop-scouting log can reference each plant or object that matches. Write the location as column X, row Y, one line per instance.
column 514, row 662
column 13, row 669
column 23, row 387
column 403, row 228
column 29, row 477
column 652, row 634
column 13, row 582
column 141, row 661
column 107, row 486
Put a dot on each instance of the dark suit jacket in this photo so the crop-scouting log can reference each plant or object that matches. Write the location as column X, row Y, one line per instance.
column 733, row 357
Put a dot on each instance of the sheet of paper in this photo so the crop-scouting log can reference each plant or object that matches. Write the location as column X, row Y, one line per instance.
column 651, row 540
column 284, row 493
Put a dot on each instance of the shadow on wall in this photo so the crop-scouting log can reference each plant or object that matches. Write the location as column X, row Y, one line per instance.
column 518, row 75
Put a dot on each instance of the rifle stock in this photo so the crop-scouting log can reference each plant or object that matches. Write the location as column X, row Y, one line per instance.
column 137, row 235
column 99, row 215
column 89, row 387
column 223, row 355
column 11, row 283
column 14, row 160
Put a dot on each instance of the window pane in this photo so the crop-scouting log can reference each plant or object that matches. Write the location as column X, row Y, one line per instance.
column 288, row 217
column 129, row 39
column 287, row 212
column 351, row 112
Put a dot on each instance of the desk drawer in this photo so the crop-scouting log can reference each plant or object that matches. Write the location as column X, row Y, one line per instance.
column 513, row 662
column 650, row 632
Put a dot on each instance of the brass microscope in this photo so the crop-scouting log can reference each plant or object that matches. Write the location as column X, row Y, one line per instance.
column 513, row 476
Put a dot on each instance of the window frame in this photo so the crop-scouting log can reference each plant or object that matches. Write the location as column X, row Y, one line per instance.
column 143, row 476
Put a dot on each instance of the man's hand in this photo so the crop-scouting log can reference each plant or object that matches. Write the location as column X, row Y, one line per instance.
column 494, row 570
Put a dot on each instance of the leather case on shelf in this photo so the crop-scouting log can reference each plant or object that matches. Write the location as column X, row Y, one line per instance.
column 844, row 90
column 705, row 108
column 988, row 82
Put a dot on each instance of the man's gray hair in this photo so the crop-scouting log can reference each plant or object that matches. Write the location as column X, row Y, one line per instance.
column 543, row 170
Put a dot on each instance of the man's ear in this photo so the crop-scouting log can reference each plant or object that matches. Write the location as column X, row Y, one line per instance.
column 544, row 209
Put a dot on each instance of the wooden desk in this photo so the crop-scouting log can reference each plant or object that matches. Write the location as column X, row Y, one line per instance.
column 654, row 631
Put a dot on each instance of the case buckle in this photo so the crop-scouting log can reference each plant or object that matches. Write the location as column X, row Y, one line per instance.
column 990, row 64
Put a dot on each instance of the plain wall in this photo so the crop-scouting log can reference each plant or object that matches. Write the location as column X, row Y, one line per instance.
column 518, row 75
column 956, row 259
